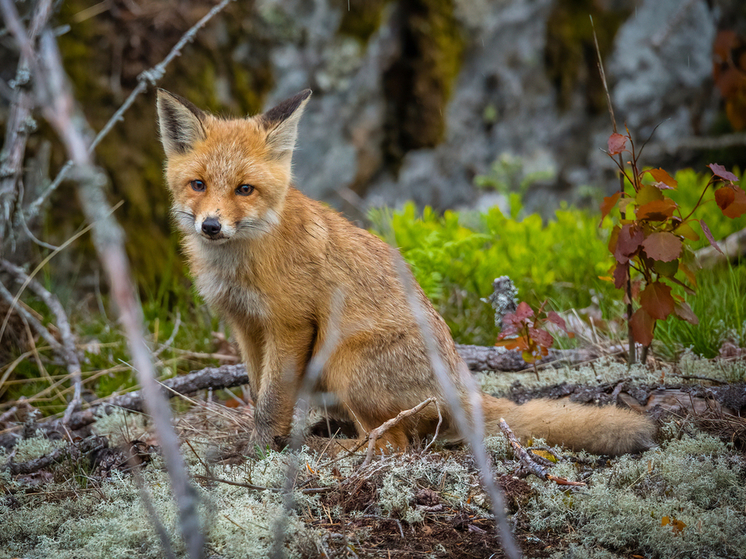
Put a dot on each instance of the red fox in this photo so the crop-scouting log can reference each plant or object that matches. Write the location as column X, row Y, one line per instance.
column 271, row 260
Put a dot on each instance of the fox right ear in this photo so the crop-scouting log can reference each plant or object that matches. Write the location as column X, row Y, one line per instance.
column 180, row 123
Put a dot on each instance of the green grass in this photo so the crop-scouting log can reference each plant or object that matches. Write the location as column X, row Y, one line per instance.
column 720, row 305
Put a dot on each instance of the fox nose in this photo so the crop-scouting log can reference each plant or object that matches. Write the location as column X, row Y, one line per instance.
column 211, row 226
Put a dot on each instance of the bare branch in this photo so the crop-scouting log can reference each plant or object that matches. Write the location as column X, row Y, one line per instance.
column 59, row 108
column 303, row 402
column 28, row 317
column 19, row 121
column 226, row 376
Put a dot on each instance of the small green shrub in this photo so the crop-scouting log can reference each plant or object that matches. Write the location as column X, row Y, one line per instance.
column 455, row 257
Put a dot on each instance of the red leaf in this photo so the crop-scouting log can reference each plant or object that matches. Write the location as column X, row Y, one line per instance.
column 617, row 143
column 722, row 172
column 657, row 301
column 685, row 312
column 642, row 325
column 541, row 337
column 724, row 197
column 660, row 176
column 523, row 311
column 629, row 240
column 608, row 205
column 738, row 207
column 657, row 210
column 662, row 246
column 554, row 318
column 621, row 275
column 708, row 234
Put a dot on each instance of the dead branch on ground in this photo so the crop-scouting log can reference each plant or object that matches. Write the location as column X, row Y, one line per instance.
column 226, row 376
column 72, row 449
column 529, row 462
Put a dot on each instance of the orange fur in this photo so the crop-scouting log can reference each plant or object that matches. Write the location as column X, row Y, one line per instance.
column 273, row 269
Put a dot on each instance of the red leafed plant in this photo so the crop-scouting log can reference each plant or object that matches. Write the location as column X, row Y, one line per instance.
column 524, row 330
column 649, row 238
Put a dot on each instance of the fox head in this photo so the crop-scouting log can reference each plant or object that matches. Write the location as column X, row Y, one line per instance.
column 228, row 177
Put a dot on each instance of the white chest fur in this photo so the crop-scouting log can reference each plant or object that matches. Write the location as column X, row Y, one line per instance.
column 223, row 282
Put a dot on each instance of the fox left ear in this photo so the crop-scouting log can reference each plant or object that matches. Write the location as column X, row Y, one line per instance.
column 281, row 122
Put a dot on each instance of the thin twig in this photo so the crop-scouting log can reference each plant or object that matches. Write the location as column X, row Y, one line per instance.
column 376, row 433
column 437, row 428
column 43, row 263
column 171, row 338
column 474, row 430
column 28, row 317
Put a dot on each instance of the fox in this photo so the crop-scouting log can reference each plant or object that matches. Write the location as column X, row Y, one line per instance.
column 270, row 260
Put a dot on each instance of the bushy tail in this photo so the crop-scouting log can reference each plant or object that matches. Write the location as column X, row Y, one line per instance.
column 599, row 430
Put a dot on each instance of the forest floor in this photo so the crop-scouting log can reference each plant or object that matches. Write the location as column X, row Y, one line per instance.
column 684, row 498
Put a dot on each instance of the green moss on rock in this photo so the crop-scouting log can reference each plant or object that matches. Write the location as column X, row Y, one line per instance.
column 570, row 53
column 419, row 85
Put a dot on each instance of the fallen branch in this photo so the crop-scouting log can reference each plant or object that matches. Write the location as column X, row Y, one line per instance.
column 226, row 376
column 528, row 462
column 488, row 358
column 86, row 446
column 376, row 433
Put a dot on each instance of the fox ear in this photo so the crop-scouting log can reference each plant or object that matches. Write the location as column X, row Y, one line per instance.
column 281, row 122
column 180, row 123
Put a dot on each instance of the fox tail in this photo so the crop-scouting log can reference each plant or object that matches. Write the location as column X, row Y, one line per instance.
column 598, row 430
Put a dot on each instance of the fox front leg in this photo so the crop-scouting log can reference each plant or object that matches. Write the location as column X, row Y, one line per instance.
column 284, row 362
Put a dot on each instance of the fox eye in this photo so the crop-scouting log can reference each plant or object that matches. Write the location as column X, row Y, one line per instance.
column 244, row 190
column 198, row 185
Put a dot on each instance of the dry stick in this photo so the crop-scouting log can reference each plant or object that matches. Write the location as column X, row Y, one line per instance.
column 529, row 463
column 147, row 77
column 474, row 433
column 376, row 433
column 60, row 110
column 313, row 372
column 67, row 349
column 85, row 446
column 601, row 71
column 19, row 123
